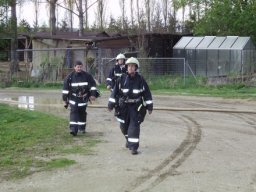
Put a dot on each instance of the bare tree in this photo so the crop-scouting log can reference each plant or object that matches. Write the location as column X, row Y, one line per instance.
column 81, row 11
column 81, row 18
column 200, row 7
column 87, row 6
column 173, row 16
column 122, row 6
column 14, row 42
column 157, row 25
column 86, row 14
column 138, row 12
column 165, row 11
column 180, row 4
column 153, row 9
column 79, row 6
column 70, row 9
column 36, row 7
column 101, row 13
column 131, row 8
column 183, row 4
column 20, row 4
column 52, row 20
column 148, row 13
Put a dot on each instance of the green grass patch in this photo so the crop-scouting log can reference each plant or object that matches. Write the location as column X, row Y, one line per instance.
column 172, row 85
column 90, row 143
column 58, row 163
column 35, row 84
column 30, row 141
column 241, row 92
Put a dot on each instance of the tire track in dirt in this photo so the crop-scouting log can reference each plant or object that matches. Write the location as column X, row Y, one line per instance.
column 247, row 118
column 250, row 120
column 253, row 184
column 171, row 163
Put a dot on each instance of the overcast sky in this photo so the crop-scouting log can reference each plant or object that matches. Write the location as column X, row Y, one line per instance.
column 112, row 8
column 27, row 12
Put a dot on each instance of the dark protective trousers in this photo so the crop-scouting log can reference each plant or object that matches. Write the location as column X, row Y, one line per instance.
column 131, row 126
column 77, row 118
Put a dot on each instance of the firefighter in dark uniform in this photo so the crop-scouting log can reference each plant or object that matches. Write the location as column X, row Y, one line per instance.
column 79, row 88
column 132, row 97
column 116, row 71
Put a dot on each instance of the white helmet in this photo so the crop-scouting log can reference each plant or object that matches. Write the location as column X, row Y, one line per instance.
column 120, row 56
column 133, row 60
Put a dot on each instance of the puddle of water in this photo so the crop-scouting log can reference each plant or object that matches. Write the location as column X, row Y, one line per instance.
column 26, row 102
column 45, row 103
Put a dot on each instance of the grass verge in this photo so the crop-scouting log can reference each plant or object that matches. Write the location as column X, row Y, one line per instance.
column 176, row 86
column 214, row 91
column 32, row 141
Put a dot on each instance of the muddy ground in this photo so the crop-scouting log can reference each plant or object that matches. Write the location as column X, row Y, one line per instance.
column 180, row 151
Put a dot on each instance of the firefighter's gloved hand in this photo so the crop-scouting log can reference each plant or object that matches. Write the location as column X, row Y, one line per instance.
column 66, row 104
column 109, row 109
column 109, row 87
column 92, row 98
column 149, row 112
column 121, row 103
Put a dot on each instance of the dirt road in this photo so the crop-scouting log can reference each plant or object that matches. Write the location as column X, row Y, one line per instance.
column 180, row 151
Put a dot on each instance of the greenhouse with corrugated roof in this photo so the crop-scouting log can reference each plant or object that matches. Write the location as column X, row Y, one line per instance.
column 213, row 56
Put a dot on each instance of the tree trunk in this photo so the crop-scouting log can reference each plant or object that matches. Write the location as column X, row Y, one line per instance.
column 132, row 20
column 138, row 13
column 36, row 5
column 14, row 66
column 81, row 18
column 70, row 13
column 175, row 5
column 165, row 12
column 52, row 16
column 148, row 13
column 101, row 13
column 122, row 6
column 69, row 7
column 86, row 14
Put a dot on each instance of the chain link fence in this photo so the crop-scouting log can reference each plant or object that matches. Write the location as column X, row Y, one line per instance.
column 150, row 67
column 52, row 65
column 47, row 65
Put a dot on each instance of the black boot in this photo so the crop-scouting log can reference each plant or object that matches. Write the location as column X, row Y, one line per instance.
column 134, row 152
column 73, row 133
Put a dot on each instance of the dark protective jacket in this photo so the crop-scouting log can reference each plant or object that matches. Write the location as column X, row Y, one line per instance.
column 114, row 73
column 131, row 90
column 128, row 97
column 78, row 85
